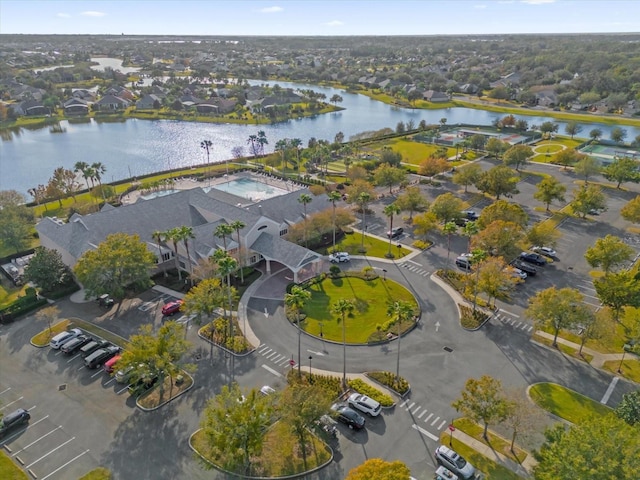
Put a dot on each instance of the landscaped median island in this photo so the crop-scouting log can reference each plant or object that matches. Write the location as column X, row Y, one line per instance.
column 565, row 403
column 370, row 297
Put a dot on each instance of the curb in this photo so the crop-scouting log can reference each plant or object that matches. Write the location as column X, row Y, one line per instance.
column 151, row 409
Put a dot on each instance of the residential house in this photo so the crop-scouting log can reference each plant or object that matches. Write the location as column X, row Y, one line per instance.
column 435, row 96
column 111, row 102
column 32, row 107
column 216, row 105
column 76, row 106
column 148, row 102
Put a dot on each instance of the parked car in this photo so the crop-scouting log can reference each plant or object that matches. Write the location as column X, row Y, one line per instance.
column 533, row 258
column 172, row 307
column 75, row 344
column 464, row 261
column 443, row 473
column 100, row 356
column 348, row 416
column 527, row 268
column 123, row 376
column 13, row 420
column 365, row 404
column 143, row 384
column 546, row 251
column 62, row 338
column 267, row 390
column 339, row 257
column 516, row 273
column 470, row 215
column 454, row 462
column 110, row 364
column 395, row 232
column 92, row 346
column 461, row 221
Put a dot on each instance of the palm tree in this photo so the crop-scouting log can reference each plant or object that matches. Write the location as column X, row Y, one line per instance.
column 226, row 265
column 85, row 170
column 391, row 210
column 223, row 231
column 281, row 146
column 402, row 311
column 296, row 143
column 477, row 257
column 343, row 307
column 160, row 238
column 362, row 200
column 469, row 230
column 98, row 170
column 305, row 199
column 186, row 234
column 237, row 226
column 296, row 301
column 174, row 235
column 253, row 141
column 262, row 141
column 206, row 145
column 334, row 196
column 449, row 229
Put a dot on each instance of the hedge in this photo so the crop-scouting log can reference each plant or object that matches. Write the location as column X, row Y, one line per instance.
column 371, row 392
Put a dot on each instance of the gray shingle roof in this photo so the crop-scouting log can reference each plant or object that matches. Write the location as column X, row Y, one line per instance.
column 287, row 253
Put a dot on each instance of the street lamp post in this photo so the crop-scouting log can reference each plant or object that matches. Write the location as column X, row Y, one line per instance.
column 384, row 274
column 626, row 348
column 310, row 357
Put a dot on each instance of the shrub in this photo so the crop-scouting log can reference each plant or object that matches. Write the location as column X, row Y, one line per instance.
column 371, row 392
column 390, row 380
column 421, row 244
column 331, row 385
column 470, row 319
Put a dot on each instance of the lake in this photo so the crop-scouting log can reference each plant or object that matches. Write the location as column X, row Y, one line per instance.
column 136, row 147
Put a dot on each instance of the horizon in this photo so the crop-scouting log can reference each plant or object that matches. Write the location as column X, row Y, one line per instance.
column 329, row 18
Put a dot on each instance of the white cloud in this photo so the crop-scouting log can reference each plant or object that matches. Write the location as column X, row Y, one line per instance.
column 63, row 15
column 334, row 23
column 479, row 7
column 538, row 2
column 93, row 14
column 271, row 10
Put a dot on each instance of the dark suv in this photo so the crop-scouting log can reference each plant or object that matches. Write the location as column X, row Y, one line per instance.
column 75, row 344
column 395, row 232
column 14, row 419
column 100, row 356
column 527, row 268
column 348, row 416
column 533, row 258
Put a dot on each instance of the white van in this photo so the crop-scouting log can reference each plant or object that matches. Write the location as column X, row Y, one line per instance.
column 62, row 338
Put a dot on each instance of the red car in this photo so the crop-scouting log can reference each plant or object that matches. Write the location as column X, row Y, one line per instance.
column 172, row 307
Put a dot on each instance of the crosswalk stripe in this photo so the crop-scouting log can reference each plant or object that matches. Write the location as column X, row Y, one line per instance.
column 435, row 421
column 442, row 425
column 267, row 352
column 422, row 414
column 427, row 419
column 404, row 403
column 411, row 406
column 416, row 410
column 271, row 355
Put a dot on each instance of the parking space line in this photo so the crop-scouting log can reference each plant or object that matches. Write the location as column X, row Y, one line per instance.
column 62, row 466
column 442, row 425
column 5, row 390
column 99, row 372
column 427, row 419
column 8, row 439
column 49, row 453
column 36, row 441
column 80, row 368
column 109, row 381
column 119, row 392
column 435, row 421
column 422, row 431
column 10, row 403
column 58, row 353
column 73, row 358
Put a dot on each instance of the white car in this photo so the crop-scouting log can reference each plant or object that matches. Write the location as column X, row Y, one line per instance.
column 267, row 390
column 517, row 273
column 64, row 337
column 546, row 251
column 365, row 404
column 339, row 257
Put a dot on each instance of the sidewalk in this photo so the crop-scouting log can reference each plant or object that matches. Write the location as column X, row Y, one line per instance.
column 524, row 470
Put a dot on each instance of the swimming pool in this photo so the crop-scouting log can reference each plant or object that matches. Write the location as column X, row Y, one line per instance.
column 250, row 189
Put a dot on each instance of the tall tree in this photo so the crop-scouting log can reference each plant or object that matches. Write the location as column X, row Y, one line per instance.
column 498, row 181
column 388, row 176
column 505, row 211
column 467, row 175
column 48, row 315
column 446, row 207
column 47, row 270
column 424, row 223
column 449, row 229
column 523, row 416
column 469, row 230
column 609, row 253
column 517, row 156
column 629, row 408
column 391, row 210
column 400, row 312
column 334, row 197
column 238, row 225
column 572, row 128
column 185, row 233
column 555, row 309
column 494, row 279
column 85, row 170
column 262, row 141
column 412, row 200
column 160, row 237
column 295, row 301
column 305, row 199
column 618, row 134
column 622, row 169
column 548, row 190
column 206, row 145
column 631, row 211
column 587, row 167
column 119, row 262
column 235, row 430
column 483, row 400
column 363, row 200
column 343, row 308
column 16, row 221
column 543, row 233
column 380, row 470
column 586, row 199
column 500, row 238
column 98, row 170
column 204, row 299
column 599, row 448
column 223, row 230
column 595, row 134
column 173, row 235
column 496, row 147
column 432, row 166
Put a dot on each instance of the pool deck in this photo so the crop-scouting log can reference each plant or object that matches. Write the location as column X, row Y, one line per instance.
column 188, row 183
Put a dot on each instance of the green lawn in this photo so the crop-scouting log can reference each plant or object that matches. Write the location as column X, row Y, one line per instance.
column 630, row 367
column 565, row 403
column 370, row 297
column 9, row 470
column 42, row 338
column 496, row 442
column 374, row 247
column 97, row 474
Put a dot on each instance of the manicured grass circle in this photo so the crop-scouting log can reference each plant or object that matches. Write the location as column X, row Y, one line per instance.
column 370, row 298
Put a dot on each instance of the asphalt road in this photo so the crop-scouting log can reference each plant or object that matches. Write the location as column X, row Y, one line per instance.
column 82, row 419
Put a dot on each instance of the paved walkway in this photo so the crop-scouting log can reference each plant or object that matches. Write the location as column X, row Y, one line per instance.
column 524, row 469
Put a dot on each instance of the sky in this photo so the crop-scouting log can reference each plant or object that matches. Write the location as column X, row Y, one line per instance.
column 313, row 18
